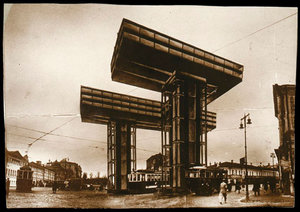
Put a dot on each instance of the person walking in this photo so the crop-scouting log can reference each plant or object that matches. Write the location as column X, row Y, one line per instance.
column 7, row 186
column 266, row 186
column 223, row 192
column 256, row 188
column 273, row 186
column 230, row 185
column 238, row 186
column 54, row 187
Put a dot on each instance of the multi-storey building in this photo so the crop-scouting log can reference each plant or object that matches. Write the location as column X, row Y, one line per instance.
column 284, row 105
column 65, row 169
column 41, row 174
column 13, row 161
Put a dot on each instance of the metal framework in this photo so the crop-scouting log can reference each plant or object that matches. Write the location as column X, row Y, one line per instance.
column 111, row 154
column 184, row 127
column 146, row 58
column 133, row 148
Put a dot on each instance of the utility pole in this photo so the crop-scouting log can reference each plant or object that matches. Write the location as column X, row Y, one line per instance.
column 243, row 119
column 272, row 155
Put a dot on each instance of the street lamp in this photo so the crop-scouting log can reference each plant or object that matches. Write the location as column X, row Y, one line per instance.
column 272, row 155
column 244, row 126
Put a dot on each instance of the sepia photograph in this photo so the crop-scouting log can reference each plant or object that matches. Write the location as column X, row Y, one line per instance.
column 111, row 106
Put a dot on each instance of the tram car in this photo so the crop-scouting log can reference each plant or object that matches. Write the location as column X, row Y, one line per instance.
column 24, row 179
column 144, row 181
column 204, row 181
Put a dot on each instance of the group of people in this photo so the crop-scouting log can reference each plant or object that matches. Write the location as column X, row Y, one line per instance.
column 256, row 188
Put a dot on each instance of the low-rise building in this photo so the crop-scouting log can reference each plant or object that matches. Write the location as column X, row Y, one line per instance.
column 237, row 171
column 13, row 161
column 65, row 169
column 41, row 175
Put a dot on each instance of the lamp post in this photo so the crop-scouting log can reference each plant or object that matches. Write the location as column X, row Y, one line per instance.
column 272, row 155
column 241, row 127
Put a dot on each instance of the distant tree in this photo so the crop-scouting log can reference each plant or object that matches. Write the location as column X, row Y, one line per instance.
column 91, row 175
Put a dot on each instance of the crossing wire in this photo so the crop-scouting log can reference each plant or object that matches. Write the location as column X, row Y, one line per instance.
column 276, row 22
column 68, row 137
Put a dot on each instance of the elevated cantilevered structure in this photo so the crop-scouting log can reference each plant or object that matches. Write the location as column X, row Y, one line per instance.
column 146, row 58
column 123, row 114
column 188, row 78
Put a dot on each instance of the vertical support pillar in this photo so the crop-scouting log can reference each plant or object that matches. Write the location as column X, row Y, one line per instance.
column 166, row 112
column 192, row 122
column 111, row 155
column 188, row 124
column 119, row 155
column 205, row 122
column 133, row 148
column 178, row 136
column 123, row 155
column 202, row 110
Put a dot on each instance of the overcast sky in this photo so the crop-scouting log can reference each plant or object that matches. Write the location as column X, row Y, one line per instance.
column 52, row 49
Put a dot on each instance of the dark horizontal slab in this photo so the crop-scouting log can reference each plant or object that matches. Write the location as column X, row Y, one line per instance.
column 146, row 58
column 99, row 106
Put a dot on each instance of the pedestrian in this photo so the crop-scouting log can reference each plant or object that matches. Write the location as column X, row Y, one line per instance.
column 223, row 192
column 266, row 186
column 229, row 185
column 7, row 186
column 54, row 187
column 238, row 186
column 272, row 186
column 256, row 188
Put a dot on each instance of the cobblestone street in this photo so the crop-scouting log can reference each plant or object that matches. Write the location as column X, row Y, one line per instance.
column 44, row 198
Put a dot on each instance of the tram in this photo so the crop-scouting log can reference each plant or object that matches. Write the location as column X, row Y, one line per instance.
column 144, row 181
column 200, row 180
column 203, row 180
column 24, row 179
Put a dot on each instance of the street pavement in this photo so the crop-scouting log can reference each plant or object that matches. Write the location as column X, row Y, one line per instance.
column 44, row 198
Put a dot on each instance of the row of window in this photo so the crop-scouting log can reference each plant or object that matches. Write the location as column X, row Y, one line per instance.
column 14, row 161
column 11, row 172
column 136, row 177
column 250, row 173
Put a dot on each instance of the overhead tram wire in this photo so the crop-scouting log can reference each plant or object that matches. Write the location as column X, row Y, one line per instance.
column 78, row 139
column 233, row 42
column 30, row 144
column 66, row 136
column 42, row 115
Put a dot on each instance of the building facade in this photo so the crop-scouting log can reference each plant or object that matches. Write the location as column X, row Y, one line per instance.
column 42, row 175
column 237, row 171
column 284, row 105
column 13, row 162
column 65, row 169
